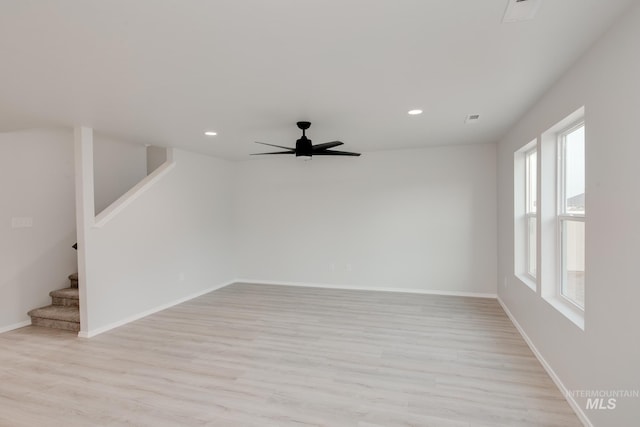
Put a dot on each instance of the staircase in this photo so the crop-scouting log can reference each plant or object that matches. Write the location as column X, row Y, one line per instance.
column 64, row 311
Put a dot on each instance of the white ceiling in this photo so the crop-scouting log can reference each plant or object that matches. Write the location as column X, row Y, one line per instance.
column 164, row 71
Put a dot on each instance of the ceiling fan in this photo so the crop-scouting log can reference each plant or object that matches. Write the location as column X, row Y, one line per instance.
column 305, row 150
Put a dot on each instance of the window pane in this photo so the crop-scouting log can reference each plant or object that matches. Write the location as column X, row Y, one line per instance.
column 531, row 181
column 574, row 172
column 573, row 261
column 531, row 249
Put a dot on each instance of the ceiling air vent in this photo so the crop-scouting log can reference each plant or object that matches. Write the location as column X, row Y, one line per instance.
column 521, row 10
column 472, row 118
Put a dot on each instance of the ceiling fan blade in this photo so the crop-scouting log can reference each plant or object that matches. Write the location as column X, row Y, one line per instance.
column 275, row 152
column 334, row 153
column 273, row 145
column 326, row 145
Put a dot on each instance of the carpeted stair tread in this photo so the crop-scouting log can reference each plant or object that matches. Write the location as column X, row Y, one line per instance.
column 69, row 293
column 73, row 280
column 56, row 324
column 57, row 312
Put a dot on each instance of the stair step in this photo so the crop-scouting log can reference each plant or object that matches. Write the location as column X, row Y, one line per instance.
column 73, row 278
column 55, row 312
column 65, row 297
column 55, row 324
column 52, row 315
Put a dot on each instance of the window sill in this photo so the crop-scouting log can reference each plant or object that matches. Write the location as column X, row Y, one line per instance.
column 575, row 315
column 527, row 280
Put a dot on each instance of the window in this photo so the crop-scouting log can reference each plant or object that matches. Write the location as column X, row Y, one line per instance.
column 525, row 197
column 559, row 209
column 530, row 179
column 571, row 213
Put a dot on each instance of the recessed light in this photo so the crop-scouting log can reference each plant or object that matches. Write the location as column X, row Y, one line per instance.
column 210, row 133
column 414, row 112
column 521, row 10
column 472, row 118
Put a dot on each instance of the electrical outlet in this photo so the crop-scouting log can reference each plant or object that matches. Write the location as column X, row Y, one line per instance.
column 181, row 277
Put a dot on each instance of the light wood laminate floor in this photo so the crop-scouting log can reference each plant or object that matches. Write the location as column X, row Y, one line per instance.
column 258, row 355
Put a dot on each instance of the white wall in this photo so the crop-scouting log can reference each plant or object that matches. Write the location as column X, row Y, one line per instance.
column 171, row 242
column 606, row 355
column 409, row 219
column 118, row 166
column 36, row 181
column 156, row 156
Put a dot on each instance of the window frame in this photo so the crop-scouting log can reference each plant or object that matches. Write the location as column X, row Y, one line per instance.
column 548, row 209
column 562, row 215
column 530, row 214
column 521, row 220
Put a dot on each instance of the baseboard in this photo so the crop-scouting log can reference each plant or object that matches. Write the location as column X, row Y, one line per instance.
column 369, row 288
column 15, row 326
column 570, row 399
column 92, row 333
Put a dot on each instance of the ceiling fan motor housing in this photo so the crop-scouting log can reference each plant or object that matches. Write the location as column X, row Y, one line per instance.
column 303, row 147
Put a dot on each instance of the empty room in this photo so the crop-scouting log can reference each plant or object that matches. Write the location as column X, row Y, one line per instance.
column 319, row 213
